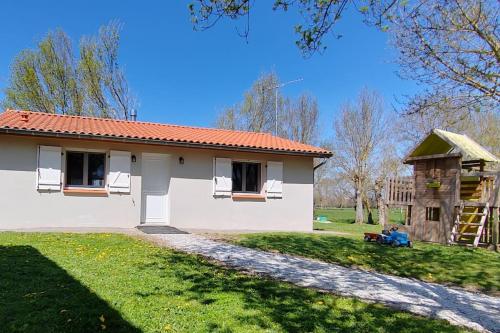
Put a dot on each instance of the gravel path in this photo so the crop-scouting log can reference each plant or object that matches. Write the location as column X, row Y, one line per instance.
column 459, row 307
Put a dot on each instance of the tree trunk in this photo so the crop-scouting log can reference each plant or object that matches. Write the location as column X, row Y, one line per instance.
column 359, row 203
column 382, row 208
column 382, row 213
column 496, row 228
column 368, row 209
column 367, row 204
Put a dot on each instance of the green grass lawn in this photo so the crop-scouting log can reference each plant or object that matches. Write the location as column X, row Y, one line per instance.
column 352, row 230
column 105, row 282
column 342, row 221
column 477, row 269
column 347, row 215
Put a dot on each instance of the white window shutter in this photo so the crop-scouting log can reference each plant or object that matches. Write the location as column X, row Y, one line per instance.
column 223, row 171
column 119, row 171
column 274, row 179
column 49, row 168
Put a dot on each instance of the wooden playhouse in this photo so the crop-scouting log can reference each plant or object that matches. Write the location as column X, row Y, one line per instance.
column 454, row 194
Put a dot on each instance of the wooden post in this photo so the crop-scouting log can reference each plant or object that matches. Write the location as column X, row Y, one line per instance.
column 496, row 228
column 495, row 202
column 381, row 202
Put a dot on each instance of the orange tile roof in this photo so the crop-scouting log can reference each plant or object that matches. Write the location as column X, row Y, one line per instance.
column 27, row 122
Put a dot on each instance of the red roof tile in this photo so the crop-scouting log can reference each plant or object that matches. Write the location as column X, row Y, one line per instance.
column 47, row 124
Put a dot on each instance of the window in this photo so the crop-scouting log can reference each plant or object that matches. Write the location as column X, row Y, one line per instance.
column 432, row 213
column 85, row 169
column 246, row 177
column 408, row 216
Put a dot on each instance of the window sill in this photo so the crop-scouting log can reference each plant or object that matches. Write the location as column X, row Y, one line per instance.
column 85, row 191
column 243, row 196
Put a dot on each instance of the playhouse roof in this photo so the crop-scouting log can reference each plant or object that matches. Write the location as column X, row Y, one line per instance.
column 45, row 124
column 440, row 142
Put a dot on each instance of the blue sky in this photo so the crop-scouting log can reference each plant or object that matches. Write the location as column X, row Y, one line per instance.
column 186, row 77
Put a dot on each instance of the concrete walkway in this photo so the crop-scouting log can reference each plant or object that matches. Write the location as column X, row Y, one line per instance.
column 459, row 307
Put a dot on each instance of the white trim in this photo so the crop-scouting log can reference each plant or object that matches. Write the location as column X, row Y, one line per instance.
column 51, row 185
column 246, row 160
column 156, row 155
column 224, row 189
column 278, row 179
column 166, row 219
column 85, row 168
column 85, row 150
column 125, row 186
column 261, row 180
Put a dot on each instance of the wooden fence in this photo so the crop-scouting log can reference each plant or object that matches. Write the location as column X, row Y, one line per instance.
column 399, row 191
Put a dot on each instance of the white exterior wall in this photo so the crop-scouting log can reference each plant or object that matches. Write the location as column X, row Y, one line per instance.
column 23, row 206
column 194, row 206
column 190, row 194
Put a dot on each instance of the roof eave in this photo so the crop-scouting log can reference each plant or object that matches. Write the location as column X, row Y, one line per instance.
column 25, row 132
column 466, row 157
column 408, row 155
column 412, row 160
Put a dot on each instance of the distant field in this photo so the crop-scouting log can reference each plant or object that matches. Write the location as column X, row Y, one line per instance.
column 347, row 215
column 349, row 230
column 343, row 221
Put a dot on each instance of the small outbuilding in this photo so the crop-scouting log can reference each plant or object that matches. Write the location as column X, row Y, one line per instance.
column 455, row 191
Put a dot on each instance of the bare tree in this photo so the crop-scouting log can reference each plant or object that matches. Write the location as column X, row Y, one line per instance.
column 331, row 188
column 229, row 118
column 319, row 17
column 388, row 164
column 256, row 112
column 359, row 130
column 107, row 89
column 52, row 79
column 114, row 78
column 484, row 128
column 56, row 68
column 297, row 119
column 46, row 79
column 92, row 78
column 453, row 47
column 300, row 119
column 258, row 108
column 480, row 126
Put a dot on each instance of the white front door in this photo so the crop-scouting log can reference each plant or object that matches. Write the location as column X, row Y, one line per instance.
column 155, row 182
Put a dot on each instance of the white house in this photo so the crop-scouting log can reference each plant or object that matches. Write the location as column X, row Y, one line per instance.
column 69, row 171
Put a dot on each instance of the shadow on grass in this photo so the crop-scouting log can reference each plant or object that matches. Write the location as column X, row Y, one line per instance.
column 36, row 295
column 475, row 268
column 272, row 305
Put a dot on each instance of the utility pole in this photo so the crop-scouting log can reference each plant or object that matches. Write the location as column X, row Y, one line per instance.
column 276, row 88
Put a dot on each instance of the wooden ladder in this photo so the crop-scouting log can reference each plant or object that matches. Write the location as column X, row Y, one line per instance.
column 460, row 228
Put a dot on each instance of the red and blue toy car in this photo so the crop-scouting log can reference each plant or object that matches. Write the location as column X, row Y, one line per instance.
column 390, row 237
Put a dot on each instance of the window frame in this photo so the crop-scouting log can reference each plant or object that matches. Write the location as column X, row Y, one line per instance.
column 243, row 176
column 430, row 213
column 86, row 153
